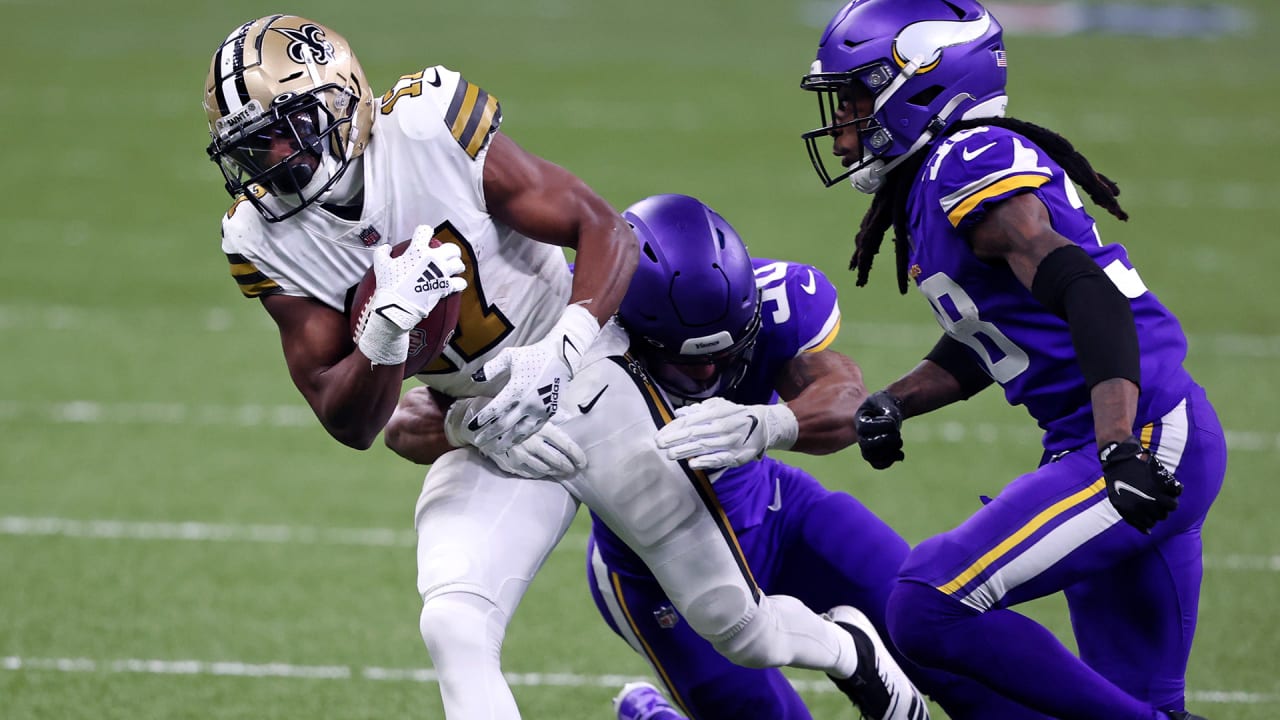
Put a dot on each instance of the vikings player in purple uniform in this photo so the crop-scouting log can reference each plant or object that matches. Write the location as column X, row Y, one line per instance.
column 728, row 362
column 988, row 222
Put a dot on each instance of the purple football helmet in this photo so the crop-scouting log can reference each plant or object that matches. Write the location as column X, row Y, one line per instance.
column 692, row 308
column 927, row 63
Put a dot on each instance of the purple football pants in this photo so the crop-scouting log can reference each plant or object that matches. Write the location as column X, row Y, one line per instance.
column 1133, row 598
column 822, row 547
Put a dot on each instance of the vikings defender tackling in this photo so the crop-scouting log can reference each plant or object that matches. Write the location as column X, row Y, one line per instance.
column 729, row 355
column 988, row 222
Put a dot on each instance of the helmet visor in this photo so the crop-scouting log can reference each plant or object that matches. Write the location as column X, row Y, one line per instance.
column 282, row 151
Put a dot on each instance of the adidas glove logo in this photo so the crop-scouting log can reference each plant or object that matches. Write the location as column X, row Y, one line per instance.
column 431, row 280
column 550, row 396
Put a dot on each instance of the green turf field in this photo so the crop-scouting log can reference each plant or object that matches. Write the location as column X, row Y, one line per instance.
column 180, row 539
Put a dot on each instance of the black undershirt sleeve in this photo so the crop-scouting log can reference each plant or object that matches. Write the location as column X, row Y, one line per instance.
column 1072, row 286
column 952, row 355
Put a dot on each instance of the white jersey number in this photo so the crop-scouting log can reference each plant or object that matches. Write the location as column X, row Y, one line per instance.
column 1007, row 362
column 772, row 290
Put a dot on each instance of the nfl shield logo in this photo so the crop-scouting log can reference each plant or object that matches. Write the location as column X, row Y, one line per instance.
column 666, row 617
column 370, row 236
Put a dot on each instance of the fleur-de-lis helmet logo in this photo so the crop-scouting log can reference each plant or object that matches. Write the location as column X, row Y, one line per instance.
column 307, row 40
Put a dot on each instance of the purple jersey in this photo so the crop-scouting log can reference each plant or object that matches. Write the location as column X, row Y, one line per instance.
column 798, row 313
column 1017, row 341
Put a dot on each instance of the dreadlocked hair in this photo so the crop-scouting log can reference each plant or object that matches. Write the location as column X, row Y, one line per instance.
column 889, row 205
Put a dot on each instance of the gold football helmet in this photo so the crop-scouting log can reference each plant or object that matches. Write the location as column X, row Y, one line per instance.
column 289, row 110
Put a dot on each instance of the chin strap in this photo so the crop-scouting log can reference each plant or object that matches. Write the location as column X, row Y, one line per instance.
column 348, row 186
column 870, row 179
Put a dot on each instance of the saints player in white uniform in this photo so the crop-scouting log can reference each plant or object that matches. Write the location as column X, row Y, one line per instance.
column 325, row 178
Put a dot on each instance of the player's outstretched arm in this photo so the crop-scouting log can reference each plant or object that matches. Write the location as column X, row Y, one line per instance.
column 878, row 421
column 551, row 205
column 415, row 431
column 822, row 389
column 427, row 425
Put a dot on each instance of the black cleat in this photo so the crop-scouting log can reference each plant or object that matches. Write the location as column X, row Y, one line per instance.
column 879, row 688
column 1183, row 715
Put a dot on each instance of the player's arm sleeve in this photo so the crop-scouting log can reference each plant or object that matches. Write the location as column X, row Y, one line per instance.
column 959, row 362
column 1103, row 332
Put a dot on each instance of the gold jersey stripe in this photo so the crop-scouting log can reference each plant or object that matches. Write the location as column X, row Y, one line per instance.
column 616, row 581
column 1148, row 431
column 957, row 215
column 830, row 338
column 253, row 283
column 1022, row 533
column 472, row 117
column 484, row 126
column 662, row 415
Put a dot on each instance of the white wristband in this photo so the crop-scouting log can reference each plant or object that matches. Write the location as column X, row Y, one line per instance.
column 383, row 342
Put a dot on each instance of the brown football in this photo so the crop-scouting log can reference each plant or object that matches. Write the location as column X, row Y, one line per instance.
column 428, row 339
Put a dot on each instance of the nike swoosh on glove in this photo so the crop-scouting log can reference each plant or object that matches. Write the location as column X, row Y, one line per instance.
column 716, row 433
column 1140, row 487
column 548, row 453
column 533, row 378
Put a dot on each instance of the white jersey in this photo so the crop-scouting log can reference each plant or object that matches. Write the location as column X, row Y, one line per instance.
column 424, row 166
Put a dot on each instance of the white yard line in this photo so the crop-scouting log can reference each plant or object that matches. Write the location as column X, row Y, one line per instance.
column 22, row 526
column 425, row 675
column 90, row 412
column 103, row 529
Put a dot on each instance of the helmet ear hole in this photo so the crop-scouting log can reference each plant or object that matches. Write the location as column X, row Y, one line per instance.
column 959, row 13
column 926, row 96
column 648, row 252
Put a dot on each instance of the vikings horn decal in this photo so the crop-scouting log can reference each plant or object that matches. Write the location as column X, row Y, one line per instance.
column 310, row 37
column 927, row 39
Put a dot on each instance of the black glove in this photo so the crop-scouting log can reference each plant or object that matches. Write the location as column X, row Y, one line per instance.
column 1142, row 490
column 879, row 426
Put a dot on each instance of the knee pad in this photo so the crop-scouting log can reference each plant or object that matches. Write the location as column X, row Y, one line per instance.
column 720, row 611
column 462, row 630
column 755, row 640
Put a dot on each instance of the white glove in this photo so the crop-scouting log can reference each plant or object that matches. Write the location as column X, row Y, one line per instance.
column 548, row 453
column 536, row 376
column 409, row 286
column 716, row 433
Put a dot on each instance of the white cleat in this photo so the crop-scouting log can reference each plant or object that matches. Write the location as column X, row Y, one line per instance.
column 879, row 688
